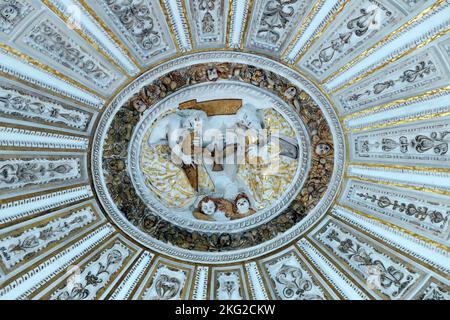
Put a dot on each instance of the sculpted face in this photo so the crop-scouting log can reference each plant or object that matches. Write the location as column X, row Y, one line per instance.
column 208, row 207
column 250, row 118
column 9, row 13
column 322, row 149
column 243, row 205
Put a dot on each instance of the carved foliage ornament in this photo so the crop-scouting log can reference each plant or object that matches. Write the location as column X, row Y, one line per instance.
column 421, row 70
column 15, row 103
column 137, row 18
column 86, row 284
column 51, row 41
column 275, row 20
column 291, row 280
column 15, row 248
column 383, row 273
column 11, row 13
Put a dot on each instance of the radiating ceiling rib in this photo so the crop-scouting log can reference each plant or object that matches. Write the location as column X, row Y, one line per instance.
column 46, row 78
column 13, row 137
column 110, row 33
column 406, row 101
column 258, row 289
column 405, row 186
column 239, row 15
column 423, row 116
column 416, row 19
column 129, row 282
column 176, row 13
column 417, row 36
column 49, row 69
column 417, row 244
column 318, row 17
column 335, row 11
column 15, row 210
column 384, row 234
column 21, row 286
column 200, row 284
column 306, row 23
column 114, row 255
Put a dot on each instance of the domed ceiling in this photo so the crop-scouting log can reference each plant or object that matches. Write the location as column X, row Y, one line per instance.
column 224, row 149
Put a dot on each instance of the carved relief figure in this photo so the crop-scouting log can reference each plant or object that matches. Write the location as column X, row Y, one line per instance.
column 229, row 287
column 192, row 162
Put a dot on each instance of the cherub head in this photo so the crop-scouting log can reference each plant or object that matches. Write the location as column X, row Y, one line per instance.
column 250, row 118
column 242, row 203
column 192, row 118
column 207, row 206
column 9, row 12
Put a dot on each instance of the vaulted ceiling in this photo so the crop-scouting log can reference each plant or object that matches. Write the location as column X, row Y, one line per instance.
column 75, row 73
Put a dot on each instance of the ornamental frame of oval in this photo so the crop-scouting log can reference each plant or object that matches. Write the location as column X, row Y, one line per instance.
column 237, row 225
column 238, row 255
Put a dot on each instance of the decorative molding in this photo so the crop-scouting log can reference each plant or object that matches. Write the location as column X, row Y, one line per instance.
column 176, row 16
column 140, row 22
column 417, row 18
column 345, row 287
column 413, row 75
column 237, row 24
column 15, row 173
column 420, row 143
column 383, row 273
column 56, row 85
column 96, row 275
column 15, row 137
column 132, row 278
column 54, row 43
column 416, row 211
column 167, row 281
column 209, row 21
column 290, row 279
column 352, row 32
column 256, row 282
column 29, row 282
column 425, row 39
column 24, row 208
column 423, row 253
column 25, row 104
column 433, row 290
column 273, row 21
column 228, row 283
column 20, row 245
column 12, row 13
column 200, row 285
